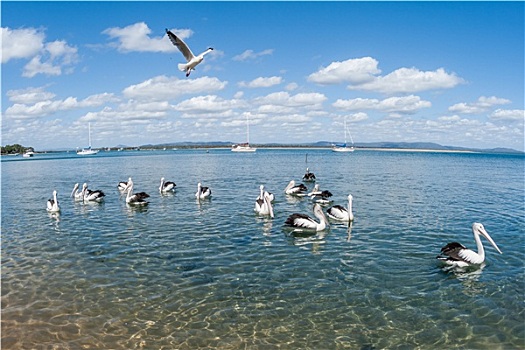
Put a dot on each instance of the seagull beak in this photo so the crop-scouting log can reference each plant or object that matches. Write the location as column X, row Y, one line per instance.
column 485, row 233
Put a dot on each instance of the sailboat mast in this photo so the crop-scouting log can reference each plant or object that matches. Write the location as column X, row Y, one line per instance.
column 247, row 130
column 345, row 131
column 89, row 134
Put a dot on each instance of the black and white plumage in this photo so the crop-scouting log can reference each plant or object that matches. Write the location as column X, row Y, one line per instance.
column 135, row 198
column 92, row 196
column 295, row 190
column 192, row 60
column 202, row 192
column 304, row 222
column 456, row 254
column 263, row 202
column 76, row 194
column 308, row 176
column 166, row 186
column 52, row 204
column 123, row 185
column 340, row 213
column 319, row 196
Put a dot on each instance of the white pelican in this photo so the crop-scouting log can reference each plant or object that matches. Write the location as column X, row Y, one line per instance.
column 301, row 221
column 260, row 197
column 193, row 61
column 296, row 190
column 52, row 204
column 263, row 203
column 123, row 185
column 92, row 196
column 308, row 176
column 136, row 198
column 319, row 196
column 167, row 186
column 338, row 212
column 202, row 192
column 456, row 254
column 76, row 194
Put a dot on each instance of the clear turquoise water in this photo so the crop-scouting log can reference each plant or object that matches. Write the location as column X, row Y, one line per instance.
column 184, row 275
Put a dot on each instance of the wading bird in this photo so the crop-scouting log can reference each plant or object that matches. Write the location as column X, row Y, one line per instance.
column 263, row 203
column 456, row 254
column 295, row 190
column 136, row 198
column 338, row 212
column 202, row 192
column 167, row 186
column 304, row 222
column 52, row 204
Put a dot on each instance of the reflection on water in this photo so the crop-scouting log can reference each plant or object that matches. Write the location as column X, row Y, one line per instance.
column 187, row 274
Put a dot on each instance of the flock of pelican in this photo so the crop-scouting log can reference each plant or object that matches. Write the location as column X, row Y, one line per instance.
column 453, row 254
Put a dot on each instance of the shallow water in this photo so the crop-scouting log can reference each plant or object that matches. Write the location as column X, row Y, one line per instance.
column 179, row 274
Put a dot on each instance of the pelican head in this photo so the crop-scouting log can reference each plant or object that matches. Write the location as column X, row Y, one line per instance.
column 479, row 229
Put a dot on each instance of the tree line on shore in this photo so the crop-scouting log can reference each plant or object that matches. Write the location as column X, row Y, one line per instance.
column 14, row 149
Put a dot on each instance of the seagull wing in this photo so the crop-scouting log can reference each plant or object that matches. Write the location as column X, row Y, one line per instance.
column 181, row 45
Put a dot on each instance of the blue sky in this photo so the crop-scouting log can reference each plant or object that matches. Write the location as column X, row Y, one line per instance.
column 445, row 72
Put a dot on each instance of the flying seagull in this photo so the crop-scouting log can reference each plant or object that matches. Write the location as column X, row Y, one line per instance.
column 193, row 61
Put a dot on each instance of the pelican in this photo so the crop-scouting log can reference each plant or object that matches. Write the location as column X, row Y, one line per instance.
column 260, row 197
column 338, row 212
column 296, row 190
column 456, row 254
column 264, row 206
column 193, row 61
column 122, row 185
column 136, row 198
column 92, row 196
column 202, row 192
column 319, row 196
column 52, row 204
column 301, row 221
column 76, row 194
column 167, row 186
column 308, row 176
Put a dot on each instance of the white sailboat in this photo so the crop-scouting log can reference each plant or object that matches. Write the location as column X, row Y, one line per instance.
column 344, row 147
column 88, row 151
column 244, row 147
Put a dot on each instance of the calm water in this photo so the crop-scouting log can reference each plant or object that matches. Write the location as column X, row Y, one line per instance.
column 184, row 275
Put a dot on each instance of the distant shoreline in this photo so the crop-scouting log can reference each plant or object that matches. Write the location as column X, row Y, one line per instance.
column 284, row 147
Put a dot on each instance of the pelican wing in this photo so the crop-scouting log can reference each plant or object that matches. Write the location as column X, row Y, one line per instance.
column 301, row 220
column 452, row 252
column 181, row 45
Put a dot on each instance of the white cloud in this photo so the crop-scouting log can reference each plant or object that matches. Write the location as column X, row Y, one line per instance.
column 45, row 58
column 136, row 37
column 30, row 95
column 44, row 108
column 408, row 80
column 508, row 114
column 262, row 82
column 210, row 104
column 168, row 88
column 362, row 74
column 251, row 55
column 482, row 105
column 21, row 43
column 355, row 71
column 310, row 100
column 291, row 87
column 402, row 105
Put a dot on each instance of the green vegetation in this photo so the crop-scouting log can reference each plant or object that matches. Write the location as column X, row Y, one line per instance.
column 16, row 148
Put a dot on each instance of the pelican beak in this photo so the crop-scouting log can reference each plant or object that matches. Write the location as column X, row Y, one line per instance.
column 485, row 233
